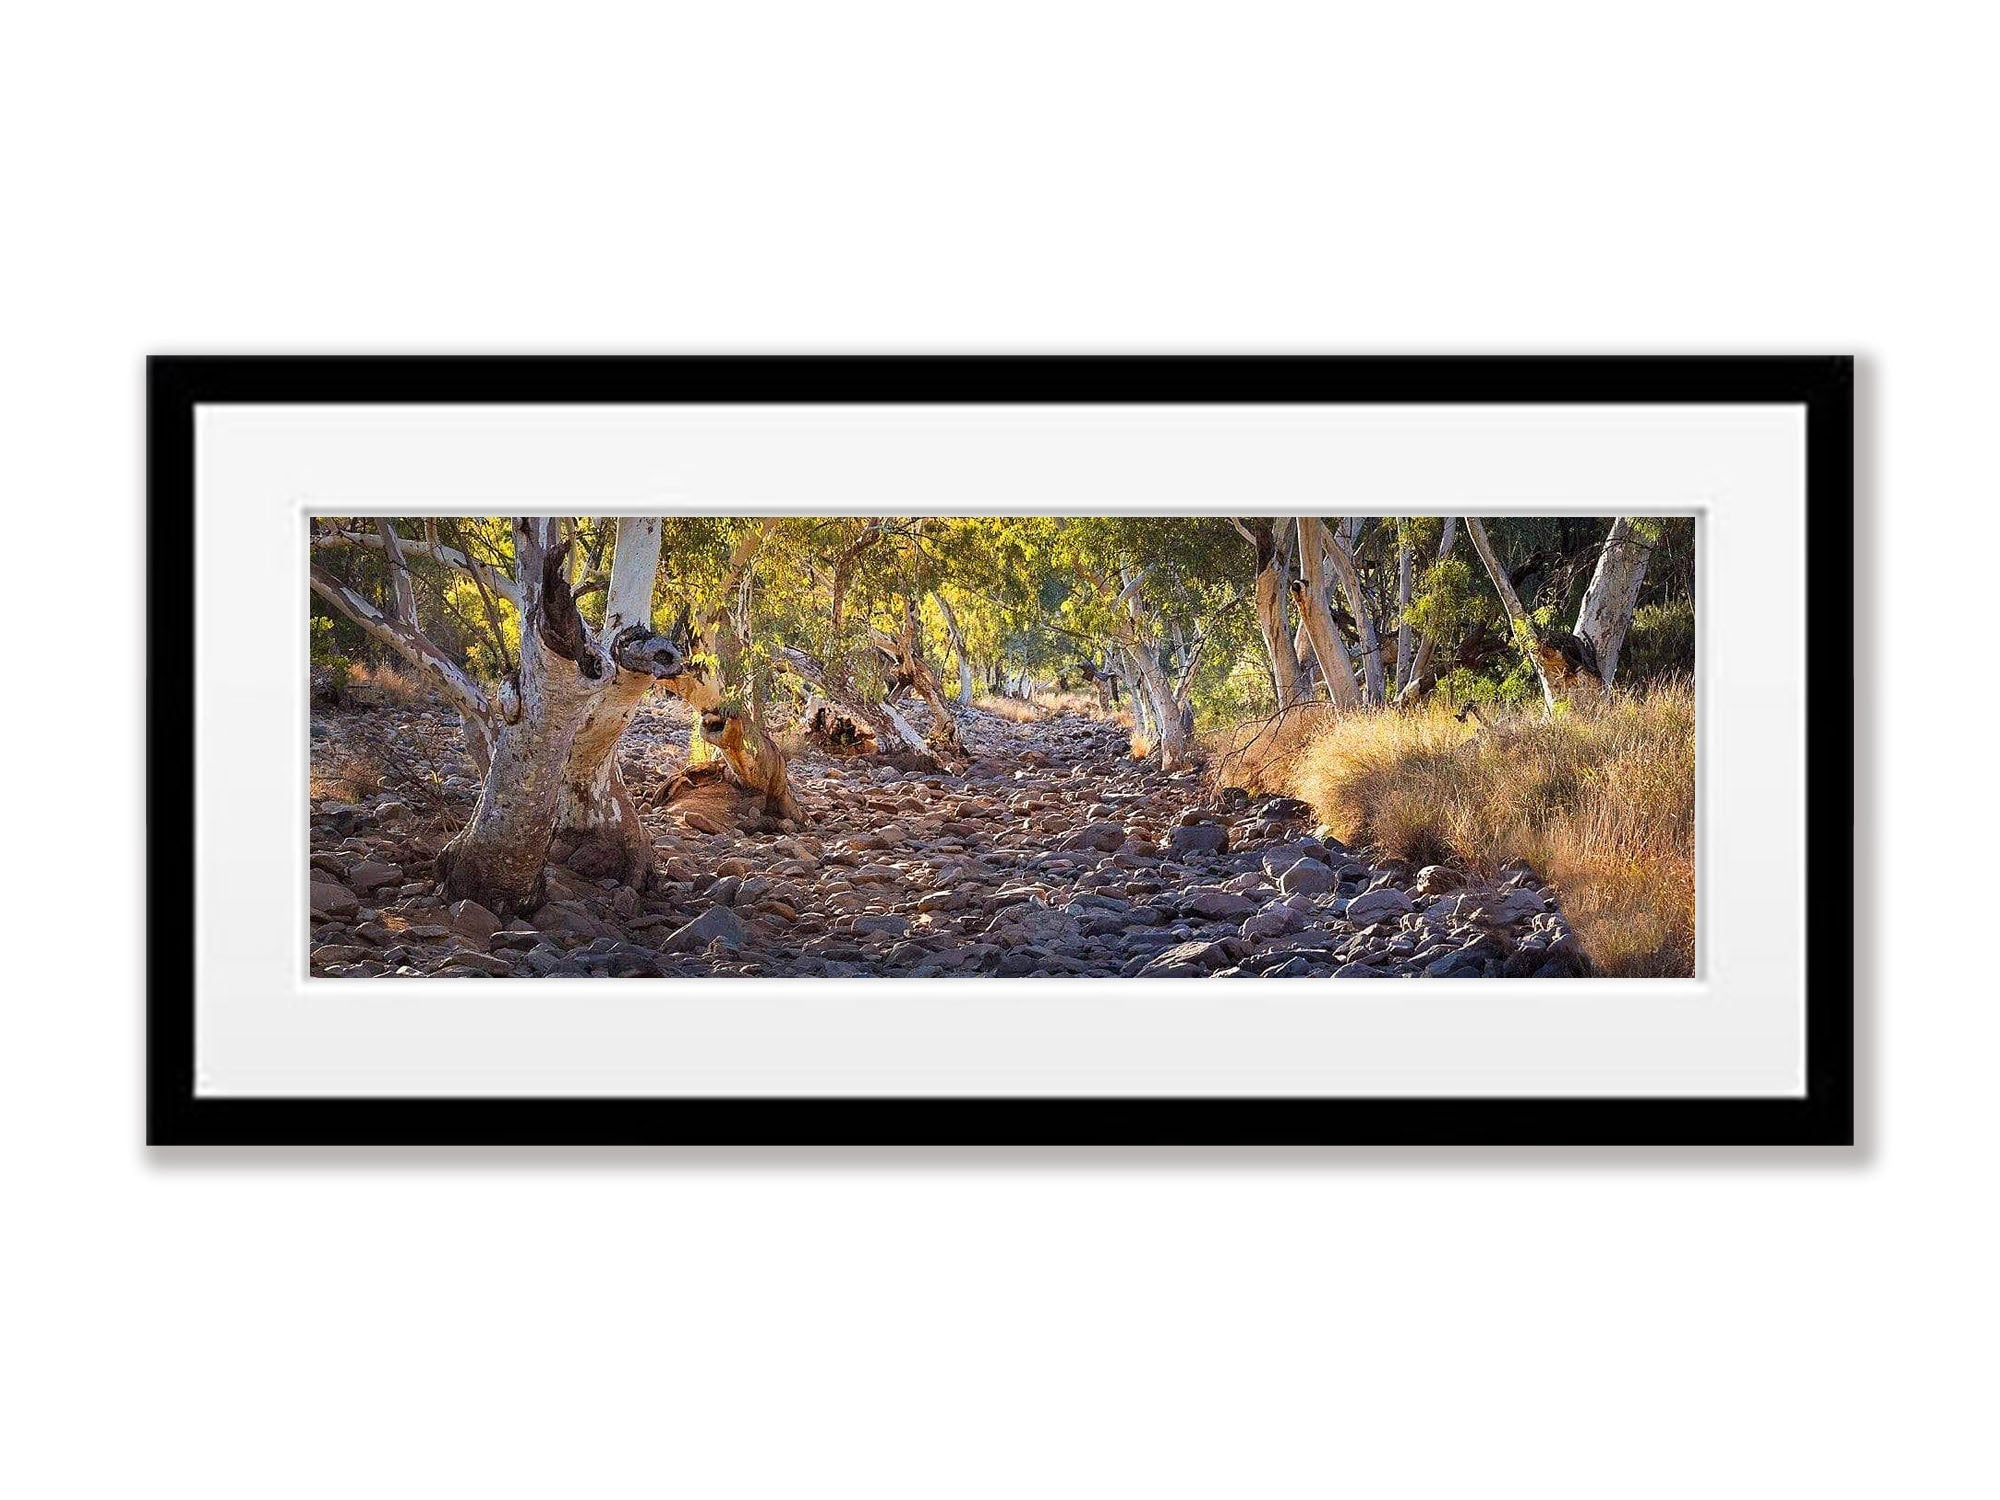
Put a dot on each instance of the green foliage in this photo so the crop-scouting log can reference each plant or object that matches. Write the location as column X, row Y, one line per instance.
column 1660, row 643
column 1045, row 596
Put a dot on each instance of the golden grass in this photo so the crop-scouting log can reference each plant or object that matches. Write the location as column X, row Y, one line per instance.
column 1599, row 801
column 1042, row 705
column 1018, row 710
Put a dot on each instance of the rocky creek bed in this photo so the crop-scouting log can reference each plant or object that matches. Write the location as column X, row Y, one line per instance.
column 1052, row 853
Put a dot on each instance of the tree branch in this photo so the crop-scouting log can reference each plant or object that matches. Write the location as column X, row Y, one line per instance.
column 406, row 642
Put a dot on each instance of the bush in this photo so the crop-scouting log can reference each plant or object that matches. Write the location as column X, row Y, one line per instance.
column 1599, row 801
column 1660, row 643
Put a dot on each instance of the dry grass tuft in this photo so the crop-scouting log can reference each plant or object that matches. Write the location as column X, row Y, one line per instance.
column 1600, row 802
column 1042, row 705
column 1018, row 710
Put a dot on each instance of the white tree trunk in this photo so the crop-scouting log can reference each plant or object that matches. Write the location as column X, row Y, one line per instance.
column 1170, row 736
column 1403, row 642
column 1330, row 651
column 498, row 859
column 594, row 805
column 1606, row 613
column 958, row 649
column 1517, row 618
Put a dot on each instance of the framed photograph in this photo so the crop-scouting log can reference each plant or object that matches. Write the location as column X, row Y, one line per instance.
column 1026, row 751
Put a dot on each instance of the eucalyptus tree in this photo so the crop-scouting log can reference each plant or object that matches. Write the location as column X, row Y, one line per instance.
column 1158, row 592
column 1606, row 612
column 1520, row 625
column 1311, row 594
column 1272, row 544
column 546, row 730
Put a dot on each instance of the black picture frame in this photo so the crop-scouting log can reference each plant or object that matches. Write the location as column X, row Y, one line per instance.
column 1824, row 1115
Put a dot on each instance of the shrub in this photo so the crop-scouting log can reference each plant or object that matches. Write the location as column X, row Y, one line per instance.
column 1599, row 801
column 1660, row 642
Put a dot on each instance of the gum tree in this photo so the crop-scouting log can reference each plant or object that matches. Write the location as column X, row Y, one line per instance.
column 546, row 732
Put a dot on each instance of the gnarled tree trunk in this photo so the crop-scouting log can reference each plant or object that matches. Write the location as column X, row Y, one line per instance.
column 593, row 803
column 498, row 858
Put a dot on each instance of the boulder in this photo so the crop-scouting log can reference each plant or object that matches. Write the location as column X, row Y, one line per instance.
column 1220, row 905
column 885, row 924
column 1185, row 960
column 1199, row 838
column 1103, row 837
column 717, row 924
column 1306, row 877
column 1274, row 921
column 370, row 873
column 1435, row 880
column 1378, row 905
column 330, row 898
column 473, row 922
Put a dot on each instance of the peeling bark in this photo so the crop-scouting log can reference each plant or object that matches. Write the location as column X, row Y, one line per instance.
column 1271, row 541
column 498, row 859
column 595, row 804
column 1311, row 597
column 1341, row 553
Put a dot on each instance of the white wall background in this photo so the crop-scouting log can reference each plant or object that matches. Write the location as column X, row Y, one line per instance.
column 1530, row 177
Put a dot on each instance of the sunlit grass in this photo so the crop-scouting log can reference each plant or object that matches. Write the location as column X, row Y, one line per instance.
column 1599, row 801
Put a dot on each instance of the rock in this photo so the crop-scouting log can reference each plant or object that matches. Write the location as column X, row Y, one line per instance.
column 1308, row 877
column 1287, row 809
column 1463, row 960
column 596, row 859
column 1199, row 838
column 1274, row 921
column 717, row 924
column 330, row 898
column 1103, row 837
column 1221, row 906
column 473, row 921
column 1435, row 880
column 1296, row 968
column 1519, row 905
column 1360, row 971
column 888, row 925
column 1184, row 960
column 482, row 963
column 1378, row 905
column 334, row 953
column 370, row 873
column 702, row 822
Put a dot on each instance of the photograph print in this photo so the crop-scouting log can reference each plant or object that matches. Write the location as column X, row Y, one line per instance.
column 953, row 747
